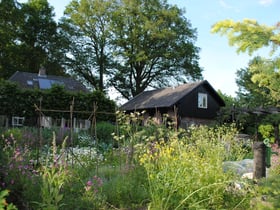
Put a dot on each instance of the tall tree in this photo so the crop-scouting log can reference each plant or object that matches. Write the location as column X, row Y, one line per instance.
column 9, row 14
column 87, row 26
column 251, row 93
column 249, row 36
column 38, row 35
column 134, row 44
column 154, row 44
column 261, row 79
column 28, row 38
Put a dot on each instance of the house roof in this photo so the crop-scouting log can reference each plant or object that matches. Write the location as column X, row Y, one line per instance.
column 167, row 97
column 33, row 80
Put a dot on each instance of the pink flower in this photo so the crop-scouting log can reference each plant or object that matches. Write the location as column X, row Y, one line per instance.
column 89, row 183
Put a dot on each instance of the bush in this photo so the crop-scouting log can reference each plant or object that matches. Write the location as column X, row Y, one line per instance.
column 54, row 98
column 104, row 132
column 154, row 167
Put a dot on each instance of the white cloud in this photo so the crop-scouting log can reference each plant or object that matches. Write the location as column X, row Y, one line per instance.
column 265, row 2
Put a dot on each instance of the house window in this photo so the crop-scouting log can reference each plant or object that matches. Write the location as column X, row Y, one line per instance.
column 17, row 121
column 202, row 100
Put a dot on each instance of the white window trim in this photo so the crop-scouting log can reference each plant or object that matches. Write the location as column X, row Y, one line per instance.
column 17, row 121
column 202, row 101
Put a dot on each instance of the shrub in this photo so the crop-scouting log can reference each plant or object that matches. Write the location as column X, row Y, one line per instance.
column 104, row 132
column 267, row 132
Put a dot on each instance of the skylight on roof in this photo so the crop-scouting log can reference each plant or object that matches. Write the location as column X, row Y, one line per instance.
column 44, row 83
column 47, row 83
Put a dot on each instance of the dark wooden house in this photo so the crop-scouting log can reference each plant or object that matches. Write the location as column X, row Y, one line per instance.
column 187, row 104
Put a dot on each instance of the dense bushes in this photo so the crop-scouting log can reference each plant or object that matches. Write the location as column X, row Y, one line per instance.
column 20, row 102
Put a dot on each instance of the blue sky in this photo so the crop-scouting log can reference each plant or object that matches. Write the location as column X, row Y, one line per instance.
column 219, row 61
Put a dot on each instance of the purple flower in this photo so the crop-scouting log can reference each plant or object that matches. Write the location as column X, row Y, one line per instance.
column 89, row 183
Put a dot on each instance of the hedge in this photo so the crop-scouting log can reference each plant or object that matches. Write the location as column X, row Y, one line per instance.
column 21, row 102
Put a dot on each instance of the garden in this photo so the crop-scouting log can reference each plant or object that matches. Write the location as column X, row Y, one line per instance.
column 128, row 166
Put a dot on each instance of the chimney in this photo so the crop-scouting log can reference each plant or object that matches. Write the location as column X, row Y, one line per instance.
column 42, row 72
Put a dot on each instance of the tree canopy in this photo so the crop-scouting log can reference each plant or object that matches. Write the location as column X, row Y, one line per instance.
column 130, row 45
column 250, row 36
column 133, row 44
column 28, row 37
column 9, row 11
column 87, row 28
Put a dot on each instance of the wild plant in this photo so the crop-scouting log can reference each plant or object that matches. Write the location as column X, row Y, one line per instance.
column 92, row 194
column 268, row 196
column 3, row 203
column 129, row 133
column 275, row 161
column 54, row 175
column 17, row 170
column 187, row 173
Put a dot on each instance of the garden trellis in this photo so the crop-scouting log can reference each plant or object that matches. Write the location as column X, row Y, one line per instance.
column 71, row 123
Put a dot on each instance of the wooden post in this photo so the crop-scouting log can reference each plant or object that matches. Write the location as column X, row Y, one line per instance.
column 40, row 123
column 259, row 160
column 95, row 133
column 71, row 122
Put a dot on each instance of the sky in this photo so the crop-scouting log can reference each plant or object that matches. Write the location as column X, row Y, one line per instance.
column 219, row 61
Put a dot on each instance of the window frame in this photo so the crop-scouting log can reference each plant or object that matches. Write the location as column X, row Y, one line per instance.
column 202, row 101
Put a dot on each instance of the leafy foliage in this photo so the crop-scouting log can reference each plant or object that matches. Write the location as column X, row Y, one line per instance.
column 170, row 170
column 29, row 38
column 54, row 176
column 26, row 99
column 131, row 43
column 87, row 23
column 268, row 194
column 3, row 203
column 146, row 35
column 187, row 173
column 249, row 36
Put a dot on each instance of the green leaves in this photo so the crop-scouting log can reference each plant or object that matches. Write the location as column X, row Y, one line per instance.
column 147, row 35
column 131, row 45
column 3, row 203
column 247, row 36
column 55, row 98
column 187, row 173
column 259, row 83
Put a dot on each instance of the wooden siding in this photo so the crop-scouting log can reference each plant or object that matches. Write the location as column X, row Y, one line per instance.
column 188, row 106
